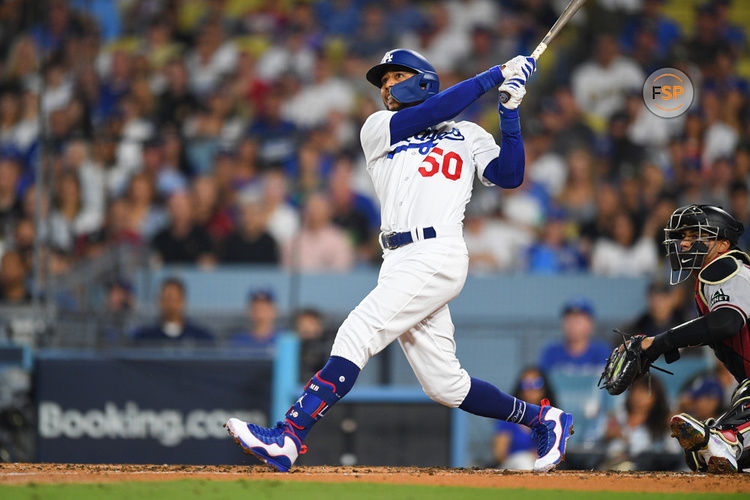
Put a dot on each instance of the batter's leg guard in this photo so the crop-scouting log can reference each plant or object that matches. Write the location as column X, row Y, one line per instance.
column 280, row 446
column 323, row 390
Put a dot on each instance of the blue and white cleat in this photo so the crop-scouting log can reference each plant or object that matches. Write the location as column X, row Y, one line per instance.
column 278, row 446
column 551, row 430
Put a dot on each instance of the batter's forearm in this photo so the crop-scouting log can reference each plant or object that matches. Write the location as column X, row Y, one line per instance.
column 507, row 170
column 709, row 329
column 443, row 106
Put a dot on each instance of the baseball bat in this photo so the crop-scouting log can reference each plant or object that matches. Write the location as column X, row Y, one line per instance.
column 566, row 15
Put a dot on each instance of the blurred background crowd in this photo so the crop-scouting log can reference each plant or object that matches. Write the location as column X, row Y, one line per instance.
column 205, row 133
column 216, row 132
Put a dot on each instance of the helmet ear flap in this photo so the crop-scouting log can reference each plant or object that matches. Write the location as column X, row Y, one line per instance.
column 732, row 233
column 415, row 89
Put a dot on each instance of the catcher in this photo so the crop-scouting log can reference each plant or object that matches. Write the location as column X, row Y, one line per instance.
column 702, row 240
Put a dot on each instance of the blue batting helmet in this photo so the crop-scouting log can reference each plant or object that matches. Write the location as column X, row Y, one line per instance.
column 416, row 89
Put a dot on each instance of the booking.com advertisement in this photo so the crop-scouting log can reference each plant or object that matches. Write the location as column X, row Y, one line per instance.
column 146, row 410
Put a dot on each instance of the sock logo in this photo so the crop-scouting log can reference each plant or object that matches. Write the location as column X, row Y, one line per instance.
column 519, row 410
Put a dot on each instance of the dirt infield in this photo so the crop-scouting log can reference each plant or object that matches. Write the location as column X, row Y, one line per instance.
column 567, row 480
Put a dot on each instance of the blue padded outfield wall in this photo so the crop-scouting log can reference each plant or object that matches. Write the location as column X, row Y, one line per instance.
column 502, row 321
column 513, row 297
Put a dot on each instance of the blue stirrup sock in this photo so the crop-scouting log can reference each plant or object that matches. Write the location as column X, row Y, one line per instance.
column 323, row 390
column 486, row 400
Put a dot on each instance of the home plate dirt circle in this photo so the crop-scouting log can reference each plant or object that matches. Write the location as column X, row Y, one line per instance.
column 21, row 473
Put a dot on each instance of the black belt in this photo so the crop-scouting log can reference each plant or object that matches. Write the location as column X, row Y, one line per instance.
column 392, row 241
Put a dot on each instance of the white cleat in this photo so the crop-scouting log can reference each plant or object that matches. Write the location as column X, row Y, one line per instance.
column 717, row 449
column 278, row 446
column 551, row 430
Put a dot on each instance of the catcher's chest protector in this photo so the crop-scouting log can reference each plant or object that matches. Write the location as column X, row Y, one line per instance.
column 725, row 282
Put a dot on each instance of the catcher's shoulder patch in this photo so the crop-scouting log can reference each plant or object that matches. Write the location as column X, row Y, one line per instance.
column 719, row 270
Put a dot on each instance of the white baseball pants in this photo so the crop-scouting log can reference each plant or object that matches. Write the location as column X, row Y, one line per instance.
column 410, row 303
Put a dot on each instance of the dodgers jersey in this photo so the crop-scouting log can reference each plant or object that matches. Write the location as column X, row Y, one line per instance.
column 731, row 291
column 426, row 179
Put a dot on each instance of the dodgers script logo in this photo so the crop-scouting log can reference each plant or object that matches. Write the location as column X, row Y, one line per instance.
column 426, row 140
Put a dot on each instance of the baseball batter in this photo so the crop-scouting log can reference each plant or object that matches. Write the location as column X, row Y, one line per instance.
column 423, row 166
column 702, row 240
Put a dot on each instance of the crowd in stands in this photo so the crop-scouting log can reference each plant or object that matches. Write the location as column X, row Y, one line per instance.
column 226, row 132
column 172, row 325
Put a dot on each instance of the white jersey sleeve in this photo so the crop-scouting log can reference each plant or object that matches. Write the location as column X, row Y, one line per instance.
column 375, row 135
column 484, row 149
column 733, row 293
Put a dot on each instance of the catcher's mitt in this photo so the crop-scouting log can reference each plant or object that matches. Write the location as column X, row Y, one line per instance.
column 627, row 362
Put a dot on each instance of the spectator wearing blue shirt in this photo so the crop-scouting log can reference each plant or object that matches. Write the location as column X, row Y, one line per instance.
column 703, row 396
column 734, row 34
column 513, row 446
column 172, row 325
column 262, row 331
column 665, row 31
column 554, row 254
column 354, row 212
column 105, row 12
column 576, row 351
column 404, row 16
column 276, row 135
column 338, row 17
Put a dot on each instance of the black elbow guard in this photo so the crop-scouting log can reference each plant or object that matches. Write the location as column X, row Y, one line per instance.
column 723, row 323
column 714, row 327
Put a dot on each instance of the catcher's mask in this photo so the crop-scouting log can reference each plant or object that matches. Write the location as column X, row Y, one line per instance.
column 700, row 223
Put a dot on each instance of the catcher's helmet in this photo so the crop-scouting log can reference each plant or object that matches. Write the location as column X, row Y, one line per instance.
column 416, row 89
column 709, row 223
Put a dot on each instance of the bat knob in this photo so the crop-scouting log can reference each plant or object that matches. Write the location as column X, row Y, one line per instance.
column 504, row 96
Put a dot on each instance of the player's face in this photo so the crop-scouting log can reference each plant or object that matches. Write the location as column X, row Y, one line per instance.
column 391, row 78
column 715, row 247
column 691, row 235
column 172, row 303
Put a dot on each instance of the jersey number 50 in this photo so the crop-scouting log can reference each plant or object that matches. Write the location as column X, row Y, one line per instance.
column 451, row 160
